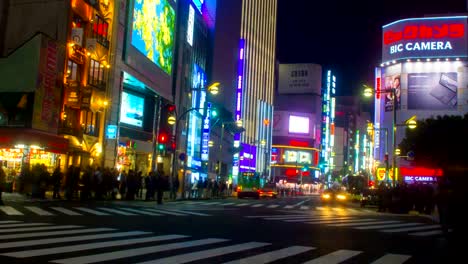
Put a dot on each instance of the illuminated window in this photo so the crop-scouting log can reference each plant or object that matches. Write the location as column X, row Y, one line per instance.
column 90, row 122
column 73, row 71
column 99, row 31
column 96, row 74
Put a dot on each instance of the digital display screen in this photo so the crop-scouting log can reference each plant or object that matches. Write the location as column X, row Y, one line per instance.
column 298, row 124
column 153, row 31
column 425, row 37
column 432, row 91
column 131, row 110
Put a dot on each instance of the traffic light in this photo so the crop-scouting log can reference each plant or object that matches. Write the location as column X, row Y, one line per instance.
column 163, row 138
column 161, row 147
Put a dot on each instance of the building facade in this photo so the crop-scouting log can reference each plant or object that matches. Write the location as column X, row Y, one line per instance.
column 424, row 61
column 244, row 63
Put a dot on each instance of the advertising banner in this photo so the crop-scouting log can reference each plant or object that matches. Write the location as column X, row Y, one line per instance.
column 300, row 78
column 247, row 158
column 428, row 37
column 432, row 91
column 392, row 81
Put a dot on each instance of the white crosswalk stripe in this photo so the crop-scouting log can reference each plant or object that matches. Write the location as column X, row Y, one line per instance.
column 23, row 225
column 342, row 222
column 366, row 222
column 9, row 222
column 38, row 211
column 417, row 228
column 167, row 212
column 116, row 211
column 392, row 259
column 10, row 210
column 122, row 246
column 96, row 258
column 189, row 257
column 303, row 207
column 65, row 211
column 242, row 204
column 140, row 211
column 388, row 226
column 273, row 206
column 91, row 211
column 428, row 233
column 317, row 219
column 189, row 212
column 335, row 257
column 257, row 205
column 228, row 204
column 289, row 206
column 272, row 255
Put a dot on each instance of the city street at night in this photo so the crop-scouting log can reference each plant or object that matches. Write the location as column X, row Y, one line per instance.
column 283, row 230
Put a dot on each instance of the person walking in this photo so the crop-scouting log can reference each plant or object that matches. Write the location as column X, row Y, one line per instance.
column 56, row 181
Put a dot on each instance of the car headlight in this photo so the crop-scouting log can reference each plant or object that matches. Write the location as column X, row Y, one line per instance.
column 326, row 196
column 341, row 197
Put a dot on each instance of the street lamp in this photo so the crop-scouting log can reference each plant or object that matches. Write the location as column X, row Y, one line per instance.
column 411, row 123
column 174, row 120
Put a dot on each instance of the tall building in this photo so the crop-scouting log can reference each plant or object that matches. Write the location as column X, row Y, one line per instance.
column 244, row 64
column 427, row 69
column 56, row 57
column 296, row 126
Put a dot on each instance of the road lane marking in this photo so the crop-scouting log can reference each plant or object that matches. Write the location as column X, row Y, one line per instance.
column 91, row 211
column 38, row 211
column 273, row 206
column 139, row 211
column 47, row 241
column 428, row 233
column 304, row 207
column 96, row 258
column 302, row 202
column 9, row 222
column 228, row 204
column 392, row 259
column 365, row 223
column 272, row 255
column 57, row 233
column 334, row 257
column 189, row 212
column 21, row 225
column 388, row 226
column 65, row 211
column 333, row 222
column 257, row 205
column 289, row 206
column 159, row 211
column 212, row 203
column 115, row 211
column 242, row 204
column 10, row 210
column 189, row 257
column 411, row 229
column 87, row 246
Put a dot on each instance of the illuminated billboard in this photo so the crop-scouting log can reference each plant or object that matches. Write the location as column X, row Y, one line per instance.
column 298, row 124
column 131, row 110
column 428, row 37
column 153, row 31
column 432, row 91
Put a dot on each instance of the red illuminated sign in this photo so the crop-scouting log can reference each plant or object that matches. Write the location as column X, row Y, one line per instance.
column 428, row 37
column 412, row 32
column 298, row 143
column 421, row 171
column 378, row 87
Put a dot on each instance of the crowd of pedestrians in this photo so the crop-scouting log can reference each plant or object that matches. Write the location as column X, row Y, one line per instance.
column 204, row 188
column 407, row 197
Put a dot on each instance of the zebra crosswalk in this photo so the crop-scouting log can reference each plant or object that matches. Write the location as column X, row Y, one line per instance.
column 297, row 206
column 97, row 211
column 83, row 245
column 416, row 229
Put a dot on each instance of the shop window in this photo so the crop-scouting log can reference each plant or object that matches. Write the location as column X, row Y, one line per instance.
column 70, row 123
column 96, row 74
column 73, row 71
column 90, row 122
column 99, row 31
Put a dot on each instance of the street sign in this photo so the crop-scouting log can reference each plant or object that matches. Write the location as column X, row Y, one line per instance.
column 410, row 155
column 182, row 156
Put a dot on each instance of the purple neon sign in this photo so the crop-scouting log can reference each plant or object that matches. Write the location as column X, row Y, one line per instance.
column 247, row 158
column 240, row 77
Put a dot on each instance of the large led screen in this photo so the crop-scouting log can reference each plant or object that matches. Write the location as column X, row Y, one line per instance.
column 131, row 110
column 153, row 31
column 298, row 124
column 425, row 37
column 432, row 91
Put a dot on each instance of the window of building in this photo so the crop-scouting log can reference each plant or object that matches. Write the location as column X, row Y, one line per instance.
column 73, row 71
column 96, row 73
column 99, row 31
column 90, row 122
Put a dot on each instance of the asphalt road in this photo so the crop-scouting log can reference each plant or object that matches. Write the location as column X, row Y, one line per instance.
column 283, row 230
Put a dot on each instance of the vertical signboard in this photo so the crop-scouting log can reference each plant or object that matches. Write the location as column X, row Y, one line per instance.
column 206, row 134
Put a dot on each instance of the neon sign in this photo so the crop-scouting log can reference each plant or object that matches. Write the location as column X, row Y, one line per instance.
column 425, row 37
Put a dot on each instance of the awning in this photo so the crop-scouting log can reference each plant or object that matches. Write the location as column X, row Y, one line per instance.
column 9, row 137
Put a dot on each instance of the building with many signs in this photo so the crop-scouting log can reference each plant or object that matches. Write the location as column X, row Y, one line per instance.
column 425, row 61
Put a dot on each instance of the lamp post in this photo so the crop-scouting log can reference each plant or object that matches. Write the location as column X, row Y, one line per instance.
column 411, row 123
column 175, row 120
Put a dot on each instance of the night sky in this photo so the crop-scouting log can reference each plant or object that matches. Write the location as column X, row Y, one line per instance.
column 345, row 35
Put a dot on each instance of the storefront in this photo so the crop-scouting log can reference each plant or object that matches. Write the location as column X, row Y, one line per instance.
column 19, row 147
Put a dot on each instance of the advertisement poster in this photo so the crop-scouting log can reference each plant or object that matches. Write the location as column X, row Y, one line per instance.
column 392, row 81
column 131, row 111
column 432, row 91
